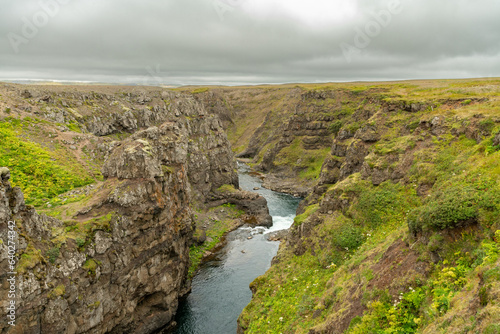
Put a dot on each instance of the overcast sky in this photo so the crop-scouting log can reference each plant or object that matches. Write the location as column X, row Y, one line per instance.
column 248, row 41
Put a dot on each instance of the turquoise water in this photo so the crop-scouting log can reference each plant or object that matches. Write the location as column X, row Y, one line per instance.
column 220, row 290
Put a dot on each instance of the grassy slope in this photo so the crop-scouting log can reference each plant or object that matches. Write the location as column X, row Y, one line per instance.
column 349, row 267
column 259, row 114
column 52, row 174
column 342, row 269
column 360, row 269
column 43, row 170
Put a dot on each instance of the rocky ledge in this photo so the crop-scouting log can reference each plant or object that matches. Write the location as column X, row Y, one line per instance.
column 254, row 206
column 125, row 268
column 118, row 261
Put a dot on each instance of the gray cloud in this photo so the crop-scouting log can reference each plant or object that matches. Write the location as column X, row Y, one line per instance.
column 254, row 41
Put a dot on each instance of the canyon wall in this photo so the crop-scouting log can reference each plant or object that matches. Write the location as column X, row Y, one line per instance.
column 399, row 231
column 113, row 256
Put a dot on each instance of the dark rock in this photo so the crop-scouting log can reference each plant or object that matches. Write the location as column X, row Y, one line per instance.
column 330, row 171
column 496, row 140
column 379, row 176
column 199, row 236
column 286, row 184
column 344, row 134
column 277, row 235
column 133, row 159
column 415, row 107
column 355, row 157
column 367, row 134
column 315, row 142
column 338, row 149
column 333, row 201
column 26, row 94
column 437, row 125
column 254, row 206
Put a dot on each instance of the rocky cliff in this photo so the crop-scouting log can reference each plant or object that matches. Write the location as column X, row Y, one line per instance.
column 399, row 231
column 96, row 119
column 113, row 256
column 286, row 132
column 125, row 270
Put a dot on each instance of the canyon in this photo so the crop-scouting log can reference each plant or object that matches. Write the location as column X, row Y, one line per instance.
column 116, row 259
column 398, row 230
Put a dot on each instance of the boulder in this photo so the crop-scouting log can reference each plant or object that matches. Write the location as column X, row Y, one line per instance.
column 496, row 140
column 367, row 134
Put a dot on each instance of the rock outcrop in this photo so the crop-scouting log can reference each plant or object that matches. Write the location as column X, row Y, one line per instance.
column 196, row 135
column 496, row 140
column 126, row 272
column 254, row 206
column 120, row 262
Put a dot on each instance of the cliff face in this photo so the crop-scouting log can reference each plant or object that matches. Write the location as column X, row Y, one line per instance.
column 116, row 257
column 94, row 120
column 287, row 132
column 124, row 275
column 399, row 231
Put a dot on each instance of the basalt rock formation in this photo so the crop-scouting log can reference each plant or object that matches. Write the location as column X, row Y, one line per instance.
column 399, row 228
column 116, row 261
column 129, row 276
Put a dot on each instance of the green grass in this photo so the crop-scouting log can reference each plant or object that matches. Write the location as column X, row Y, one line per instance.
column 458, row 216
column 309, row 162
column 200, row 90
column 41, row 173
column 196, row 252
column 286, row 296
column 314, row 160
column 60, row 290
column 216, row 232
column 297, row 286
column 395, row 145
column 299, row 219
column 53, row 254
column 81, row 232
column 422, row 305
column 75, row 127
column 466, row 187
column 91, row 266
column 226, row 189
column 29, row 259
column 457, row 203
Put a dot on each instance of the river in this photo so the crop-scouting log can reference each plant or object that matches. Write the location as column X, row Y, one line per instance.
column 220, row 290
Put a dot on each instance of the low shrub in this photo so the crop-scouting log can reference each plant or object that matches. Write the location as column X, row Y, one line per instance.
column 348, row 237
column 53, row 254
column 454, row 206
column 335, row 127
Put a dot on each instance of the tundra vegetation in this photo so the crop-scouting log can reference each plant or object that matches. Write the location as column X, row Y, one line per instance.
column 400, row 228
column 399, row 231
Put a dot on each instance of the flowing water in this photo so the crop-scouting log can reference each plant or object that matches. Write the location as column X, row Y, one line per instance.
column 220, row 289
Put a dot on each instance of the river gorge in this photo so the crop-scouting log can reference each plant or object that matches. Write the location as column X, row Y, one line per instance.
column 220, row 289
column 136, row 189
